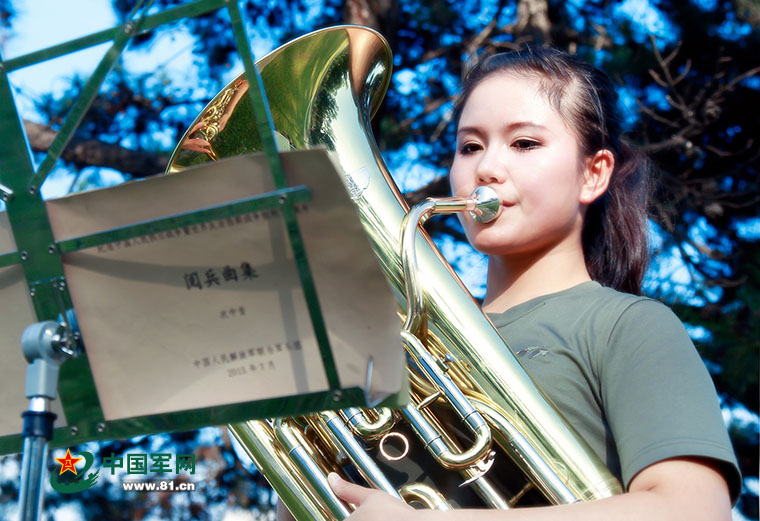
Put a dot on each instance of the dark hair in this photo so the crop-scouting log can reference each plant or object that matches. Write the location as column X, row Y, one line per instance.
column 614, row 232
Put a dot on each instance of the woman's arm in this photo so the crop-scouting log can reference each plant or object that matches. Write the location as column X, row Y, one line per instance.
column 671, row 490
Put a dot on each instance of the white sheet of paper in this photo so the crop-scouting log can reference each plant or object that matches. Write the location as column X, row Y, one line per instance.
column 214, row 314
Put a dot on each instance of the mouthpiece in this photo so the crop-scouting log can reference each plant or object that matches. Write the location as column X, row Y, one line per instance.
column 487, row 204
column 483, row 205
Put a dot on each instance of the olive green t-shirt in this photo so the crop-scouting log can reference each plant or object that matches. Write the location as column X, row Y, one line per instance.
column 624, row 372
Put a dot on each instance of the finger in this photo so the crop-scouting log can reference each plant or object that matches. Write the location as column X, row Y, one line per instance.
column 348, row 492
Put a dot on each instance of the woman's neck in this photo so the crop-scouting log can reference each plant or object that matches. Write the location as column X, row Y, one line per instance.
column 516, row 279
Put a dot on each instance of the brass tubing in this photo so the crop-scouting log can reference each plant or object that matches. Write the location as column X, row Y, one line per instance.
column 452, row 204
column 439, row 443
column 356, row 453
column 485, row 489
column 447, row 456
column 313, row 450
column 430, row 436
column 258, row 440
column 465, row 410
column 292, row 440
column 479, row 202
column 415, row 305
column 359, row 422
column 520, row 451
column 517, row 497
column 536, row 468
column 526, row 457
column 425, row 494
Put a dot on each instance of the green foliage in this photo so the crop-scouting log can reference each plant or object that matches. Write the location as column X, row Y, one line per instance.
column 7, row 13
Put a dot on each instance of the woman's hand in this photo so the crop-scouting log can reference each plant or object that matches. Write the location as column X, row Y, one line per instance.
column 670, row 490
column 371, row 504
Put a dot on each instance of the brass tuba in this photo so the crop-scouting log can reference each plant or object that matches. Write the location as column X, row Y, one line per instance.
column 323, row 88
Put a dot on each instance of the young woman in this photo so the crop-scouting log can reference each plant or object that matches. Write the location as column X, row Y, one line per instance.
column 566, row 260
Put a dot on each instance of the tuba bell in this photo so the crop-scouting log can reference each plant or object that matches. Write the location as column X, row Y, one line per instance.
column 323, row 89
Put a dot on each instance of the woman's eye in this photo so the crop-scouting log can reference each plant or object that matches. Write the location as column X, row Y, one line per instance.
column 468, row 148
column 525, row 144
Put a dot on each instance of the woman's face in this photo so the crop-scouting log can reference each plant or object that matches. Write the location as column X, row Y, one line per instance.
column 511, row 139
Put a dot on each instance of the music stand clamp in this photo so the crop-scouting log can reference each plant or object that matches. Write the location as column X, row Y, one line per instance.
column 46, row 345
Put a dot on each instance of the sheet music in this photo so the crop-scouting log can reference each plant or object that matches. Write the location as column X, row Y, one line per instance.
column 214, row 313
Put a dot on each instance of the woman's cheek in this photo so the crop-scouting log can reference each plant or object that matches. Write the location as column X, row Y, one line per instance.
column 457, row 181
column 462, row 176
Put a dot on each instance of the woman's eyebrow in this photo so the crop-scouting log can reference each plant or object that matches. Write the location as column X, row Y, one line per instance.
column 516, row 125
column 469, row 130
column 524, row 124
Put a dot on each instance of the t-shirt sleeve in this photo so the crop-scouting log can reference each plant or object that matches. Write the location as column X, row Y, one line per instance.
column 659, row 400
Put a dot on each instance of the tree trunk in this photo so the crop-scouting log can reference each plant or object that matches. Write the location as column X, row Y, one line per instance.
column 380, row 15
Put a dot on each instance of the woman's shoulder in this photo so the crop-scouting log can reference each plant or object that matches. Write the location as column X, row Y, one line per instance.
column 592, row 297
column 609, row 312
column 590, row 307
column 636, row 309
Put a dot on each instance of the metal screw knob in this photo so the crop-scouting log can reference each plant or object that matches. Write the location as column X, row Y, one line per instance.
column 445, row 360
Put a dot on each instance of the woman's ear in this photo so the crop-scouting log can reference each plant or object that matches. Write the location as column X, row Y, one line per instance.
column 596, row 175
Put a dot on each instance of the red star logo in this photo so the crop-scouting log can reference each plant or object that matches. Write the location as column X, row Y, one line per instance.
column 68, row 463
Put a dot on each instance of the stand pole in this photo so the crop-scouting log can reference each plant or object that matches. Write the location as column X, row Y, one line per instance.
column 45, row 348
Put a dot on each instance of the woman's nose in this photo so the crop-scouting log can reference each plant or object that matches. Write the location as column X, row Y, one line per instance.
column 492, row 167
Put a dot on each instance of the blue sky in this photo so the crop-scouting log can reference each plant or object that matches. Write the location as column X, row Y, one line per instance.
column 42, row 23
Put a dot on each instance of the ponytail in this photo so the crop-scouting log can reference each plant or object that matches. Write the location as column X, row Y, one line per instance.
column 614, row 235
